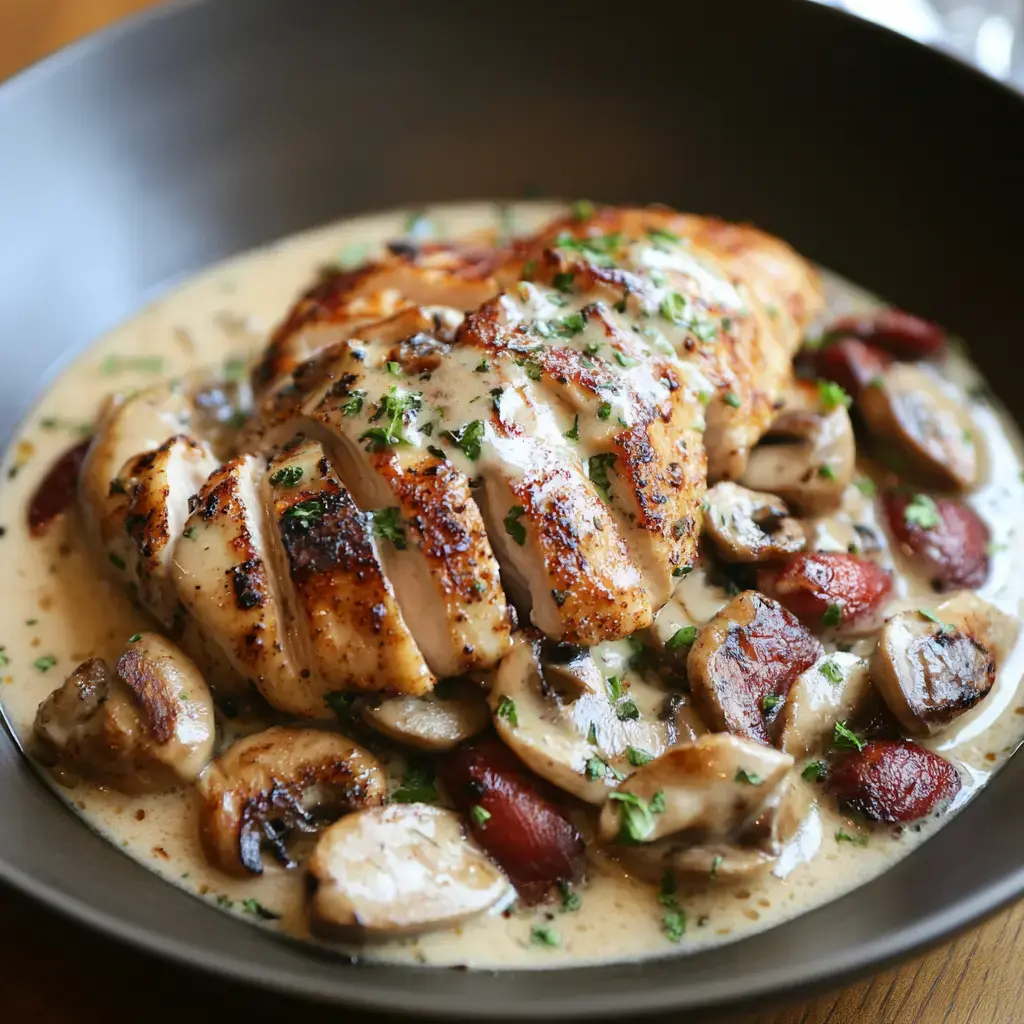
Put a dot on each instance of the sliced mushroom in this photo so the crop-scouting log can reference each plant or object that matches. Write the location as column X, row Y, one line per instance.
column 271, row 782
column 830, row 691
column 750, row 526
column 807, row 457
column 715, row 785
column 399, row 870
column 930, row 671
column 908, row 407
column 146, row 727
column 438, row 721
column 554, row 708
column 746, row 658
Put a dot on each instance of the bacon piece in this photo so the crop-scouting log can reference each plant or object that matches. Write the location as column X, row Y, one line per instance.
column 829, row 589
column 893, row 780
column 525, row 832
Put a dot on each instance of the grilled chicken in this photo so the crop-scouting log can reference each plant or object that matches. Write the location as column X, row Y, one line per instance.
column 413, row 472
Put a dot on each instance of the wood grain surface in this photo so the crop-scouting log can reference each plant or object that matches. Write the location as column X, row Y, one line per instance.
column 52, row 972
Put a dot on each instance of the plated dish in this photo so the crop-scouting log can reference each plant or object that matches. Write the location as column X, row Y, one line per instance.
column 519, row 589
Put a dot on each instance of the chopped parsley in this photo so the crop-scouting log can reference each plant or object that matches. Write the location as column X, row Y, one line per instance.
column 673, row 923
column 673, row 308
column 597, row 470
column 636, row 817
column 826, row 472
column 613, row 684
column 598, row 249
column 417, row 785
column 438, row 453
column 5, row 658
column 308, row 513
column 134, row 638
column 833, row 615
column 832, row 395
column 545, row 935
column 922, row 511
column 814, row 771
column 682, row 637
column 682, row 570
column 483, row 366
column 387, row 525
column 573, row 434
column 45, row 663
column 845, row 837
column 254, row 907
column 832, row 672
column 507, row 710
column 533, row 370
column 623, row 360
column 866, row 487
column 570, row 898
column 731, row 398
column 661, row 235
column 468, row 439
column 750, row 778
column 479, row 815
column 353, row 404
column 513, row 527
column 340, row 703
column 638, row 757
column 287, row 477
column 116, row 560
column 843, row 736
column 582, row 209
column 627, row 711
column 769, row 702
column 926, row 613
column 604, row 410
column 564, row 282
column 113, row 364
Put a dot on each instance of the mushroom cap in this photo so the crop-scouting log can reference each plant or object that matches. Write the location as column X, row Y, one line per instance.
column 750, row 526
column 909, row 407
column 929, row 672
column 430, row 722
column 145, row 727
column 830, row 691
column 568, row 730
column 399, row 870
column 280, row 774
column 714, row 785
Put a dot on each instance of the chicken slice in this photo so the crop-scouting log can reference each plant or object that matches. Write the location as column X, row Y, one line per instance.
column 127, row 426
column 729, row 299
column 338, row 306
column 223, row 579
column 152, row 506
column 623, row 409
column 355, row 636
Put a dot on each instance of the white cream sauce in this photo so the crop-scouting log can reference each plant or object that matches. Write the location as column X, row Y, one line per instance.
column 66, row 610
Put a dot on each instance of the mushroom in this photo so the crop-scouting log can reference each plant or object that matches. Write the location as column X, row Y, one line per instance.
column 145, row 727
column 438, row 721
column 807, row 456
column 830, row 691
column 744, row 659
column 720, row 806
column 556, row 710
column 931, row 670
column 399, row 870
column 271, row 782
column 750, row 526
column 908, row 407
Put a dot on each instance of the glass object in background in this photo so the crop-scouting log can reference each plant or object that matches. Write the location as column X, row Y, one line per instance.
column 987, row 33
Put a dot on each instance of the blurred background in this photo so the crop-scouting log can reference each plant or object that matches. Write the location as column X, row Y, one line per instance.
column 985, row 32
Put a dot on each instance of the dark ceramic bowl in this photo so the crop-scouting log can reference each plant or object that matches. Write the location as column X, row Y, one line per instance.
column 193, row 132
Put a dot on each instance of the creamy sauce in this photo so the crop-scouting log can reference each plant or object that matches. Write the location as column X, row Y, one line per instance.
column 68, row 610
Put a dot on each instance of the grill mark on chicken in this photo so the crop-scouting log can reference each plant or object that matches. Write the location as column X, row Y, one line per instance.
column 150, row 691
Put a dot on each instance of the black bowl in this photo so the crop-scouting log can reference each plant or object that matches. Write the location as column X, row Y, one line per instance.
column 193, row 132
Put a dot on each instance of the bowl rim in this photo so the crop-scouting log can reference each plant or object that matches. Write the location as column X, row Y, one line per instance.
column 920, row 934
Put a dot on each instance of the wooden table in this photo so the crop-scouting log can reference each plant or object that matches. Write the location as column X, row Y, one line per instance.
column 53, row 972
